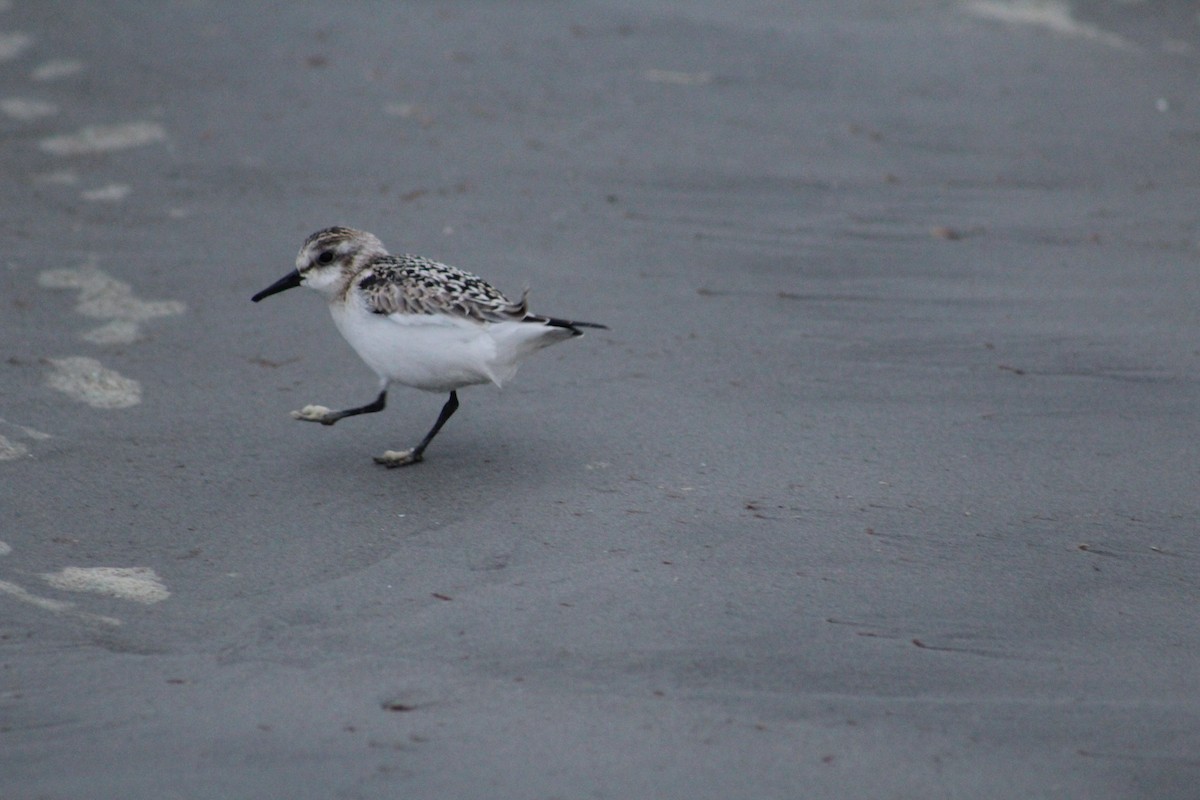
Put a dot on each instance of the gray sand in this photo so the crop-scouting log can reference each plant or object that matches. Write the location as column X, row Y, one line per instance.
column 882, row 484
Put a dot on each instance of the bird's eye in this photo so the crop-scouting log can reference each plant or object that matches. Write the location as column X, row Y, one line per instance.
column 326, row 257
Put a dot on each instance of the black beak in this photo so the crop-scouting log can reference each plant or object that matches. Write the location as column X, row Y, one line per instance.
column 289, row 281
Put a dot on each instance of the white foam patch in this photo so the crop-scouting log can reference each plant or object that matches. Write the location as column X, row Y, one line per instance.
column 57, row 606
column 33, row 600
column 24, row 110
column 13, row 45
column 104, row 138
column 119, row 331
column 5, row 548
column 136, row 584
column 1052, row 15
column 56, row 68
column 34, row 434
column 87, row 381
column 113, row 192
column 27, row 431
column 102, row 296
column 11, row 451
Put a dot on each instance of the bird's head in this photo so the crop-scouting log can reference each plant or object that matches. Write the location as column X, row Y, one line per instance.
column 327, row 261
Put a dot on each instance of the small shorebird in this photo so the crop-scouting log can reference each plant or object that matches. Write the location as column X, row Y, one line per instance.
column 417, row 323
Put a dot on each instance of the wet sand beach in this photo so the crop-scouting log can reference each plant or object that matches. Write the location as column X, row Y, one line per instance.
column 882, row 482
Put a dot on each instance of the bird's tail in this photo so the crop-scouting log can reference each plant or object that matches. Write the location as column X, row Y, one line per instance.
column 572, row 325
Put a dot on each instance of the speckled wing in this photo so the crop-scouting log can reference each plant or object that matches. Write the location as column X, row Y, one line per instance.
column 415, row 285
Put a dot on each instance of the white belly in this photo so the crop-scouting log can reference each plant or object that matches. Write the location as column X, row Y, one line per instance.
column 424, row 351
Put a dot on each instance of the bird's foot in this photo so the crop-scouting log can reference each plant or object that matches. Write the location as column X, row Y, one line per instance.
column 321, row 414
column 398, row 458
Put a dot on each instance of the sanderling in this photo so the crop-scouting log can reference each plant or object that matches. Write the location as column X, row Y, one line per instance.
column 417, row 323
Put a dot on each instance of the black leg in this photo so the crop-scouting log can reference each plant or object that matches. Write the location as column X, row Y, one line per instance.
column 327, row 417
column 402, row 458
column 447, row 412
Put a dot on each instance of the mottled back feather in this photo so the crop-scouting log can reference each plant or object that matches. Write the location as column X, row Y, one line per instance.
column 415, row 285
